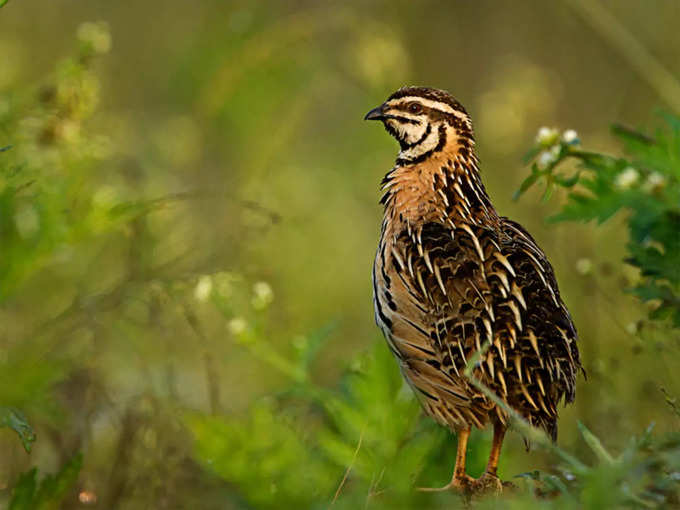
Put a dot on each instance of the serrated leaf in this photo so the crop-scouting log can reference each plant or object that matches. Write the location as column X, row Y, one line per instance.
column 15, row 420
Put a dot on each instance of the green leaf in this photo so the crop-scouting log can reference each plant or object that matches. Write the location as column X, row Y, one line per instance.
column 531, row 154
column 626, row 133
column 526, row 184
column 53, row 488
column 555, row 483
column 28, row 494
column 3, row 2
column 15, row 420
column 313, row 343
column 24, row 491
column 266, row 455
column 568, row 182
column 549, row 188
column 595, row 445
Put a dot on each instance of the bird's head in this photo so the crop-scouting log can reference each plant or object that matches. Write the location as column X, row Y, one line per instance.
column 424, row 121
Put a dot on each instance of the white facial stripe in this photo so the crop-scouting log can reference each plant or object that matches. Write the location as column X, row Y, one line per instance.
column 406, row 132
column 426, row 145
column 436, row 105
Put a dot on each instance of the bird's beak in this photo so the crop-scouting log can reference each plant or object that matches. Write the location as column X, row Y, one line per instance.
column 376, row 113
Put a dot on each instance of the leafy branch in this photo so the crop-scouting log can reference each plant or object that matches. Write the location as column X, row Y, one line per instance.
column 646, row 184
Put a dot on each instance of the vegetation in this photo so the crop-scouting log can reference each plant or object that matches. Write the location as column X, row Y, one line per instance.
column 180, row 325
column 372, row 425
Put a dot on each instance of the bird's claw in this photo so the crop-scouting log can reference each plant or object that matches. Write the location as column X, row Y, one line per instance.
column 485, row 484
column 464, row 484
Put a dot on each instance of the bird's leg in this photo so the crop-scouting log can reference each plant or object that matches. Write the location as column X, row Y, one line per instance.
column 460, row 481
column 489, row 480
column 498, row 435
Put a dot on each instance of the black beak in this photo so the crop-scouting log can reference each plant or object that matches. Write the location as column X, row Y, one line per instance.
column 376, row 113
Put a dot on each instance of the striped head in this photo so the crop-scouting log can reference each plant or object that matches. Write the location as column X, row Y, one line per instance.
column 425, row 121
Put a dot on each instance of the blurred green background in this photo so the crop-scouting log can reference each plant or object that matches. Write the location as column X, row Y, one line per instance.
column 194, row 202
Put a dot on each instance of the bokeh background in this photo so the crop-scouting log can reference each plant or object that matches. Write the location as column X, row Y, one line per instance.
column 200, row 204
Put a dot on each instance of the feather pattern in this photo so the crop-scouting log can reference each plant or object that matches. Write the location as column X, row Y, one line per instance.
column 451, row 276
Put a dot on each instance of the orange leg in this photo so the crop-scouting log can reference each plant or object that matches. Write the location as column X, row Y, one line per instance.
column 489, row 481
column 498, row 435
column 460, row 480
column 459, row 475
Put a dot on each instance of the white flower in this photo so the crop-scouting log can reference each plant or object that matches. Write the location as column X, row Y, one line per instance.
column 627, row 178
column 655, row 182
column 570, row 137
column 547, row 136
column 584, row 266
column 263, row 295
column 237, row 326
column 203, row 288
column 545, row 159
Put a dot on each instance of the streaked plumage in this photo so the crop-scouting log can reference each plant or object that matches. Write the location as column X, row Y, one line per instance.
column 451, row 275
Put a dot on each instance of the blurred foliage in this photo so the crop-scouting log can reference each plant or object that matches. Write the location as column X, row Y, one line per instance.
column 188, row 211
column 48, row 493
column 296, row 449
column 366, row 445
column 646, row 185
column 15, row 420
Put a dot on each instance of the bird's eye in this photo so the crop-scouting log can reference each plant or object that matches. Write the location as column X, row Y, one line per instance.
column 414, row 107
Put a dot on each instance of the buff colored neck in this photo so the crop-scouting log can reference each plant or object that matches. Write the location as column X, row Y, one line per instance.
column 436, row 188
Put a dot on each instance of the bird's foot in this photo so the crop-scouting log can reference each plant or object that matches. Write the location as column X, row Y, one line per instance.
column 464, row 484
column 490, row 484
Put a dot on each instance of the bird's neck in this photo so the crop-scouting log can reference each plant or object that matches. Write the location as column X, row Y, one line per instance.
column 445, row 186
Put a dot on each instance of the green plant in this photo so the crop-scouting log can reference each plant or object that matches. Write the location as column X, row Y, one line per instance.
column 15, row 420
column 48, row 493
column 646, row 184
column 363, row 444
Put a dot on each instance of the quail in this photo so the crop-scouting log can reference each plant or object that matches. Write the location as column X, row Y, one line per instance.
column 455, row 283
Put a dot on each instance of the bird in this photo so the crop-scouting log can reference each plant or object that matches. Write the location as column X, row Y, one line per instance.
column 465, row 298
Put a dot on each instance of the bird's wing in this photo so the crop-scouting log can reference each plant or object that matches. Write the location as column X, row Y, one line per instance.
column 471, row 288
column 442, row 314
column 546, row 316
